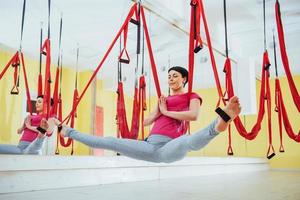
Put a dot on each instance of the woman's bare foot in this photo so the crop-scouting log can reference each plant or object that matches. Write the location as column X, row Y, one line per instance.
column 44, row 125
column 52, row 122
column 232, row 109
column 63, row 130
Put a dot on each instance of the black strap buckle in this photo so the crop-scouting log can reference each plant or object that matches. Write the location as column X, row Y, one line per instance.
column 14, row 91
column 198, row 48
column 134, row 21
column 223, row 114
column 271, row 156
column 59, row 128
column 41, row 130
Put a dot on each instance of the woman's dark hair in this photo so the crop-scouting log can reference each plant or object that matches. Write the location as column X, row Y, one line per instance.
column 42, row 96
column 184, row 73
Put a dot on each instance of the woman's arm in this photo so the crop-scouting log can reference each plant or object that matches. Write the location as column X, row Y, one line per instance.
column 21, row 129
column 189, row 115
column 28, row 124
column 152, row 116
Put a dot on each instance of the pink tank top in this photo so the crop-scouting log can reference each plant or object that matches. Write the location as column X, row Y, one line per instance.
column 170, row 127
column 29, row 135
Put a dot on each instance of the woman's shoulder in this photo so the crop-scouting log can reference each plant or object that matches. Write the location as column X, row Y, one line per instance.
column 195, row 95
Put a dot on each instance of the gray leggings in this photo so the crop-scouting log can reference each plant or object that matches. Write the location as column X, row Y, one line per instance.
column 157, row 148
column 23, row 147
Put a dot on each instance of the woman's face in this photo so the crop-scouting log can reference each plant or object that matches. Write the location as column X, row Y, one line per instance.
column 39, row 105
column 175, row 80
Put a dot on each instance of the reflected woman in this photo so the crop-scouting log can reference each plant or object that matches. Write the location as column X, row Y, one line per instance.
column 32, row 135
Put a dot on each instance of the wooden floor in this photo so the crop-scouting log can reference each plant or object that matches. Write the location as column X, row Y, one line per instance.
column 263, row 185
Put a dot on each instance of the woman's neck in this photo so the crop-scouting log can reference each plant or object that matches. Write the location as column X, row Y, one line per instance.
column 177, row 92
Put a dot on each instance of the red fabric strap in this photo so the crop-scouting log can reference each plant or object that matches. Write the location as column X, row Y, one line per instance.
column 229, row 149
column 75, row 99
column 284, row 57
column 62, row 141
column 256, row 128
column 212, row 57
column 55, row 93
column 230, row 93
column 271, row 151
column 122, row 119
column 198, row 40
column 279, row 111
column 135, row 121
column 60, row 119
column 72, row 123
column 191, row 62
column 121, row 115
column 13, row 61
column 143, row 103
column 26, row 84
column 265, row 94
column 15, row 89
column 286, row 122
column 47, row 83
column 40, row 85
column 228, row 79
column 151, row 57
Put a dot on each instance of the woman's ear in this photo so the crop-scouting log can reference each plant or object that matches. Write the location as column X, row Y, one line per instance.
column 184, row 81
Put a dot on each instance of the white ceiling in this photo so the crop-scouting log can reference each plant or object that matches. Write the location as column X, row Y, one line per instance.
column 94, row 23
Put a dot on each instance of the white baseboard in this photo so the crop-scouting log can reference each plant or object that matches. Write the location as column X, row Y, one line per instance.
column 19, row 173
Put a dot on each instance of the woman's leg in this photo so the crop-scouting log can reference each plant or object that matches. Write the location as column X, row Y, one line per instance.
column 9, row 149
column 35, row 146
column 132, row 148
column 13, row 149
column 200, row 139
column 177, row 148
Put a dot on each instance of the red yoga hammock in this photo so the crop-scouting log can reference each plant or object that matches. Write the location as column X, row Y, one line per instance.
column 123, row 129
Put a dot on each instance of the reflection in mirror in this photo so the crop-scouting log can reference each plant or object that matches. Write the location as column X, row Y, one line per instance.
column 31, row 134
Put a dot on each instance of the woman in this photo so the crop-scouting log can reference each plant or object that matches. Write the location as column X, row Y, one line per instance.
column 33, row 136
column 167, row 141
